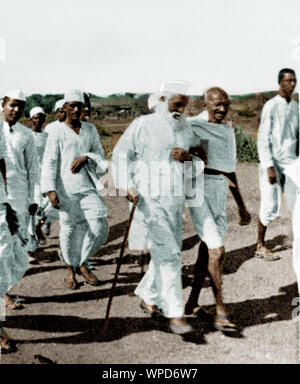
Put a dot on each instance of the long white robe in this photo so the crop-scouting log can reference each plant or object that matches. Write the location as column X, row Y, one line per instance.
column 22, row 171
column 292, row 188
column 82, row 211
column 277, row 142
column 147, row 144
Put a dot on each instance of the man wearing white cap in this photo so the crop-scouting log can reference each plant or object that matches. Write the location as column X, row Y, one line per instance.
column 73, row 151
column 21, row 162
column 161, row 139
column 60, row 115
column 277, row 144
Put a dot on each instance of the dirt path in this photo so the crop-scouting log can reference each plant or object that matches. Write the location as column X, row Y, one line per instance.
column 65, row 326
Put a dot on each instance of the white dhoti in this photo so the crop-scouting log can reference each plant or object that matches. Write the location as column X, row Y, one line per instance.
column 13, row 258
column 83, row 227
column 270, row 200
column 161, row 285
column 209, row 219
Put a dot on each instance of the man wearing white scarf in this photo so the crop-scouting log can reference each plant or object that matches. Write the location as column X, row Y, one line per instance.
column 219, row 171
column 277, row 143
column 73, row 151
column 161, row 139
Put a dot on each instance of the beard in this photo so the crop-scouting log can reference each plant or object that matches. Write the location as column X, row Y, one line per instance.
column 162, row 109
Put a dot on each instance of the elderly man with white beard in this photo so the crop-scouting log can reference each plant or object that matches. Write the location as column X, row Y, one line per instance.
column 161, row 139
column 68, row 178
column 21, row 166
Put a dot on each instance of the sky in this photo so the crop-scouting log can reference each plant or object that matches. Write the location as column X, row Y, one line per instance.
column 116, row 46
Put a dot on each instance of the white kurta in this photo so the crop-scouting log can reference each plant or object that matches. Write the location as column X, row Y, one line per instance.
column 49, row 127
column 210, row 220
column 292, row 172
column 82, row 211
column 22, row 171
column 277, row 143
column 13, row 259
column 46, row 210
column 149, row 141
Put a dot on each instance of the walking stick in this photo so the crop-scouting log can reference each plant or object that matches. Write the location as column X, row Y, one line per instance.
column 119, row 263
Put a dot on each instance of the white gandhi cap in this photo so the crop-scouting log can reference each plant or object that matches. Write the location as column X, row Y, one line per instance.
column 59, row 104
column 36, row 110
column 16, row 94
column 74, row 95
column 174, row 87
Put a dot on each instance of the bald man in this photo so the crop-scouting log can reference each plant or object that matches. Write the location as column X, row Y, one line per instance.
column 219, row 173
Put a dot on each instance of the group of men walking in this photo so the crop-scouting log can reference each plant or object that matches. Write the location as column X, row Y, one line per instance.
column 163, row 161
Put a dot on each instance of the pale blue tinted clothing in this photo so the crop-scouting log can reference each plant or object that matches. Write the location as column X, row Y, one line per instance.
column 292, row 189
column 209, row 219
column 21, row 165
column 22, row 172
column 270, row 194
column 161, row 285
column 147, row 144
column 49, row 127
column 13, row 257
column 82, row 212
column 138, row 235
column 62, row 148
column 278, row 133
column 3, row 155
column 83, row 227
column 219, row 142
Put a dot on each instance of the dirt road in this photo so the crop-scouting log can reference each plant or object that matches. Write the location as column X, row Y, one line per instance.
column 65, row 326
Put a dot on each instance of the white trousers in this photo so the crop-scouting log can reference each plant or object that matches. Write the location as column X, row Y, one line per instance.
column 161, row 285
column 209, row 219
column 270, row 195
column 13, row 256
column 83, row 227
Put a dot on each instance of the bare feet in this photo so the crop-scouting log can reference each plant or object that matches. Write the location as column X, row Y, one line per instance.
column 89, row 276
column 70, row 280
column 150, row 309
column 6, row 345
column 11, row 304
column 179, row 326
column 262, row 252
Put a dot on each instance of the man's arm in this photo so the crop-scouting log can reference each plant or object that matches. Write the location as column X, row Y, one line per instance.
column 50, row 168
column 264, row 143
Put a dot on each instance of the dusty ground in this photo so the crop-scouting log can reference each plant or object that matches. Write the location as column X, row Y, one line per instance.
column 65, row 326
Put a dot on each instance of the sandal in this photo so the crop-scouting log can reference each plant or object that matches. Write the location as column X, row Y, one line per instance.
column 155, row 312
column 223, row 324
column 266, row 254
column 12, row 304
column 70, row 284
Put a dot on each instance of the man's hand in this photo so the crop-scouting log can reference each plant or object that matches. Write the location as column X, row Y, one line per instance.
column 78, row 164
column 200, row 152
column 32, row 209
column 245, row 217
column 52, row 196
column 272, row 175
column 181, row 155
column 132, row 195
